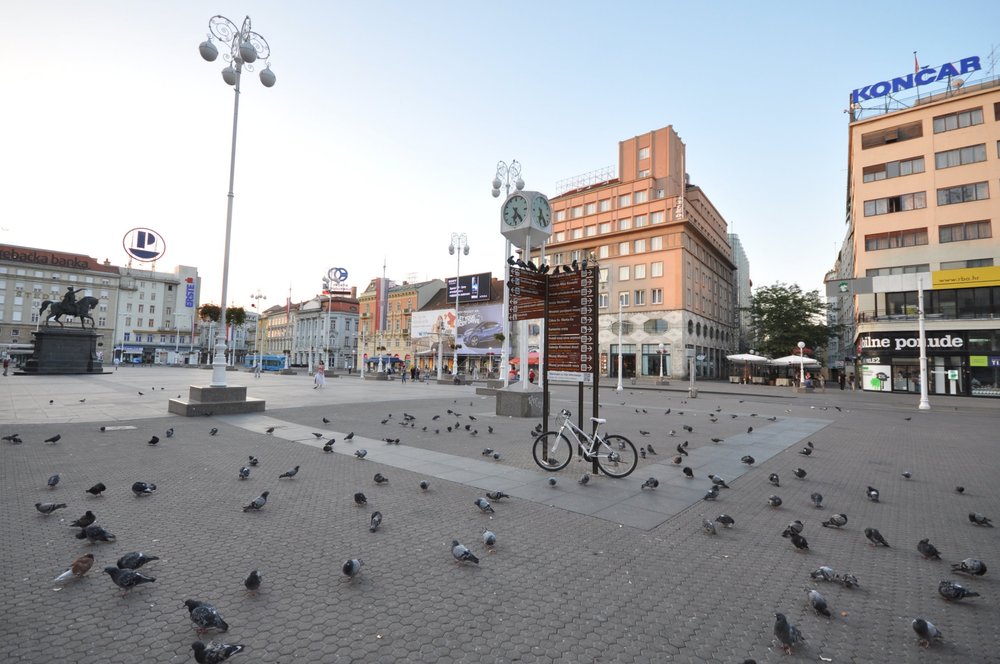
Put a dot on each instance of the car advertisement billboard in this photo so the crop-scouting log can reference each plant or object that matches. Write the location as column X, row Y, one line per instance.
column 478, row 326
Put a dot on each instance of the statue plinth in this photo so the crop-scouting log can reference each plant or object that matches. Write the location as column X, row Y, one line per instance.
column 64, row 351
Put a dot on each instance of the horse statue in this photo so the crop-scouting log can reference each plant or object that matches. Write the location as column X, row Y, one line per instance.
column 81, row 310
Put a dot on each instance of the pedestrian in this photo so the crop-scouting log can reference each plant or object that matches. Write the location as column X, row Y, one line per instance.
column 531, row 375
column 6, row 364
column 256, row 370
column 402, row 376
column 842, row 379
column 319, row 375
column 413, row 372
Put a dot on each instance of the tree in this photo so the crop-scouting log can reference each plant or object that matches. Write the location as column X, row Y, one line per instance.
column 235, row 316
column 784, row 315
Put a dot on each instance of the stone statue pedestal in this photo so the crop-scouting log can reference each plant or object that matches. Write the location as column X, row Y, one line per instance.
column 64, row 351
column 209, row 400
column 515, row 401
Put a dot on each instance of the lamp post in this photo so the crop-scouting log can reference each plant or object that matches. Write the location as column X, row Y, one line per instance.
column 507, row 175
column 925, row 404
column 257, row 297
column 620, row 387
column 245, row 47
column 802, row 365
column 364, row 353
column 459, row 245
column 660, row 350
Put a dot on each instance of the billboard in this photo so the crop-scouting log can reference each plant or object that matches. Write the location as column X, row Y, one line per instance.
column 477, row 327
column 471, row 287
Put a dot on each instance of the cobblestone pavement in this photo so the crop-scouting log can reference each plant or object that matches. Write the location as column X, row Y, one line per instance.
column 560, row 587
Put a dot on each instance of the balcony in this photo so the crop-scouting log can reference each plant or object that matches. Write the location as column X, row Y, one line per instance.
column 871, row 316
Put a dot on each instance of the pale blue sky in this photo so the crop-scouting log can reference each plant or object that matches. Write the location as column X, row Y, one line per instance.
column 383, row 132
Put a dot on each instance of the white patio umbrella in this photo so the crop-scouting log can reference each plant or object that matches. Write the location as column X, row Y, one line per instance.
column 793, row 360
column 746, row 357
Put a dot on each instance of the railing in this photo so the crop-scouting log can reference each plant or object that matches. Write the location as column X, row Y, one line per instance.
column 882, row 317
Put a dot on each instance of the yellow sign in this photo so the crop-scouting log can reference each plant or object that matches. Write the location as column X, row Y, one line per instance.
column 977, row 361
column 970, row 277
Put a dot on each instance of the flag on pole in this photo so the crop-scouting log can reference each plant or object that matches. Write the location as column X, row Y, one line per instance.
column 916, row 64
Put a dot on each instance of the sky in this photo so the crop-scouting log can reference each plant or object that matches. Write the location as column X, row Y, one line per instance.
column 383, row 132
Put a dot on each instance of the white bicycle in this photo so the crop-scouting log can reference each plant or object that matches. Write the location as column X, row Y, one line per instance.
column 615, row 455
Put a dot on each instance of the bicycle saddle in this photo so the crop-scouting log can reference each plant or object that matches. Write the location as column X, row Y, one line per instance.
column 598, row 420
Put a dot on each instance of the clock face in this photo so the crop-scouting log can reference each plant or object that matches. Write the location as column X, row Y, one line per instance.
column 515, row 211
column 541, row 213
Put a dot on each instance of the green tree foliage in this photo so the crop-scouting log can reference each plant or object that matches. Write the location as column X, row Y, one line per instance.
column 234, row 315
column 784, row 315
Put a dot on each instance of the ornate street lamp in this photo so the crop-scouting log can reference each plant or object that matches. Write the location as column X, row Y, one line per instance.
column 459, row 245
column 245, row 47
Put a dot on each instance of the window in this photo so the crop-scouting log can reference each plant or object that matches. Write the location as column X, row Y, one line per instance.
column 640, row 298
column 152, row 308
column 963, row 194
column 604, row 206
column 644, row 173
column 561, row 236
column 128, row 320
column 602, row 300
column 561, row 215
column 908, row 238
column 639, row 220
column 643, row 153
column 623, row 248
column 168, row 311
column 973, row 230
column 163, row 339
column 960, row 156
column 657, row 296
column 151, row 324
column 893, row 169
column 578, row 211
column 128, row 307
column 624, row 200
column 623, row 298
column 603, row 275
column 126, row 335
column 898, row 269
column 623, row 272
column 591, row 208
column 152, row 296
column 656, row 269
column 959, row 120
column 149, row 338
column 639, row 271
column 604, row 227
column 640, row 246
column 640, row 197
column 892, row 135
column 590, row 231
column 903, row 203
column 656, row 218
column 141, row 308
column 960, row 265
column 602, row 251
column 624, row 224
column 656, row 243
column 576, row 233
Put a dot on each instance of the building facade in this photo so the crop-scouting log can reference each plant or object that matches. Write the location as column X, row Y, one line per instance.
column 742, row 320
column 923, row 193
column 325, row 328
column 666, row 267
column 386, row 312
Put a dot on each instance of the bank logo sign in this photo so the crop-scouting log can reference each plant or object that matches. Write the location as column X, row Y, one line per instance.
column 923, row 76
column 144, row 244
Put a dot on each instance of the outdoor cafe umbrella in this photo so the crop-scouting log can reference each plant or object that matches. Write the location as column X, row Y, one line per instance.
column 746, row 357
column 793, row 360
column 532, row 358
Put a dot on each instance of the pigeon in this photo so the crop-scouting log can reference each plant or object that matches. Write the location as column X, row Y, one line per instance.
column 719, row 440
column 774, row 501
column 552, row 481
column 873, row 494
column 77, row 568
column 642, row 452
column 848, row 580
column 817, row 499
column 85, row 520
column 424, row 484
column 649, row 448
column 688, row 473
column 257, row 503
column 875, row 537
column 818, row 602
column 489, row 428
column 974, row 517
column 54, row 439
column 677, row 460
column 584, row 479
column 650, row 483
column 270, row 430
column 326, row 421
column 291, row 472
column 954, row 591
column 349, row 436
column 244, row 472
column 360, row 499
column 376, row 521
column 213, row 431
column 254, row 460
column 688, row 428
column 799, row 542
column 170, row 432
column 960, row 489
column 462, row 554
column 786, row 633
column 127, row 579
column 835, row 521
column 484, row 506
column 749, row 429
column 927, row 633
column 793, row 527
column 799, row 473
column 204, row 616
column 681, row 450
column 748, row 460
column 928, row 550
column 49, row 508
column 351, row 568
column 53, row 481
column 214, row 652
column 708, row 527
column 496, row 495
column 143, row 488
column 970, row 566
column 726, row 520
column 252, row 582
column 823, row 573
column 16, row 437
column 97, row 489
column 135, row 560
column 806, row 451
column 906, row 474
column 380, row 478
column 361, row 454
column 718, row 481
column 153, row 441
column 489, row 539
column 712, row 493
column 94, row 533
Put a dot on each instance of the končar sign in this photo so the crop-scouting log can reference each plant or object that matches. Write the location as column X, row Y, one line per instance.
column 925, row 76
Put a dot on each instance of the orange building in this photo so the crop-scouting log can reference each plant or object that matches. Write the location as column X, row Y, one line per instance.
column 664, row 254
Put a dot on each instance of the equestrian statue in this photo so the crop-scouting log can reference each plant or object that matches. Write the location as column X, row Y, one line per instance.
column 70, row 307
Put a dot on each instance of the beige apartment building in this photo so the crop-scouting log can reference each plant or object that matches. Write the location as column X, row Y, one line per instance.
column 923, row 193
column 664, row 256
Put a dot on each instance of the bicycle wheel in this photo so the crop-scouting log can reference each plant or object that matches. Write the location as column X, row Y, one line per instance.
column 552, row 450
column 617, row 456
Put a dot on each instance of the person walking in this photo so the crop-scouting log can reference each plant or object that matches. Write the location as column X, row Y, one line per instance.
column 319, row 376
column 6, row 364
column 402, row 376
